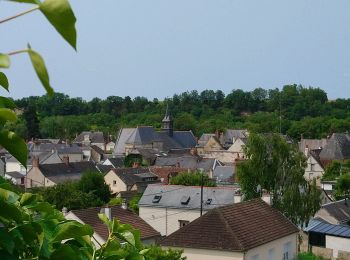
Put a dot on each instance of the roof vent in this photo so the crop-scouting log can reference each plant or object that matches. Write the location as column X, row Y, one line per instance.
column 208, row 202
column 156, row 198
column 185, row 200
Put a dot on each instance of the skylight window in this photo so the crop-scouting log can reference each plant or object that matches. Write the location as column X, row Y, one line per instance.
column 185, row 200
column 208, row 202
column 156, row 198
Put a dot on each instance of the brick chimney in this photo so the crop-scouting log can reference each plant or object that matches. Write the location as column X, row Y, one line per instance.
column 65, row 159
column 35, row 161
column 136, row 165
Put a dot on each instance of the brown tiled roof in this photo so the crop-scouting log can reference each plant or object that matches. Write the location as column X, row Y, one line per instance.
column 237, row 227
column 89, row 216
column 165, row 172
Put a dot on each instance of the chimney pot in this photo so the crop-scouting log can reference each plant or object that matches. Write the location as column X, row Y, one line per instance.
column 35, row 162
column 124, row 204
column 65, row 159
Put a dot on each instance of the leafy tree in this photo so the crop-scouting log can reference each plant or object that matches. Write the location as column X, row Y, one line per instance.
column 278, row 168
column 192, row 179
column 332, row 171
column 155, row 252
column 134, row 203
column 93, row 182
column 343, row 186
column 32, row 121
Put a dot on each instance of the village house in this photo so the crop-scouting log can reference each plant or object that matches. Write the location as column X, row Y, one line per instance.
column 314, row 168
column 88, row 138
column 16, row 178
column 337, row 148
column 169, row 207
column 146, row 137
column 250, row 230
column 166, row 173
column 190, row 162
column 337, row 212
column 129, row 179
column 327, row 240
column 90, row 216
column 46, row 175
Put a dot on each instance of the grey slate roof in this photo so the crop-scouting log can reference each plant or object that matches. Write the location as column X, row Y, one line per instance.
column 340, row 210
column 123, row 135
column 60, row 172
column 95, row 137
column 234, row 133
column 145, row 135
column 185, row 138
column 187, row 161
column 117, row 162
column 15, row 175
column 311, row 144
column 321, row 227
column 172, row 195
column 131, row 176
column 203, row 140
column 337, row 148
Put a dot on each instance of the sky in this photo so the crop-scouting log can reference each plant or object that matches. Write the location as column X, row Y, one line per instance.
column 157, row 48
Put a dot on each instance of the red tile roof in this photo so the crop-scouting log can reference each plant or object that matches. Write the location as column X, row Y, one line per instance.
column 165, row 172
column 237, row 227
column 89, row 216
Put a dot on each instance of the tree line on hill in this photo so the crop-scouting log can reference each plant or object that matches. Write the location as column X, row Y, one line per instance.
column 294, row 110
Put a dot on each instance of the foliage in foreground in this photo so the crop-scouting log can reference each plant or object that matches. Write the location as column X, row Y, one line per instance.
column 31, row 228
column 309, row 256
column 278, row 168
column 192, row 179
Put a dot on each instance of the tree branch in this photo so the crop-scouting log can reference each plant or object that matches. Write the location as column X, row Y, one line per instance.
column 17, row 52
column 18, row 15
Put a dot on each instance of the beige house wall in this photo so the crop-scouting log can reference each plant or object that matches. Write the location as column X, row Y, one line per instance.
column 166, row 220
column 337, row 244
column 322, row 213
column 278, row 246
column 76, row 157
column 237, row 148
column 13, row 167
column 205, row 254
column 221, row 155
column 35, row 178
column 313, row 170
column 262, row 251
column 114, row 188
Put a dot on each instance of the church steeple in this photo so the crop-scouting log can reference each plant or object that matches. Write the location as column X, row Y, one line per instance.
column 168, row 122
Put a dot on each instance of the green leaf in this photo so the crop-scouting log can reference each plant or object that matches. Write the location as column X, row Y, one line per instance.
column 4, row 81
column 27, row 1
column 7, row 115
column 8, row 196
column 40, row 69
column 6, row 241
column 4, row 61
column 71, row 229
column 127, row 236
column 60, row 15
column 7, row 102
column 105, row 220
column 63, row 252
column 15, row 146
column 9, row 212
column 28, row 198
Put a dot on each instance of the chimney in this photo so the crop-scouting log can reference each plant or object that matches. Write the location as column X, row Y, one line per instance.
column 267, row 197
column 193, row 151
column 178, row 165
column 107, row 211
column 306, row 152
column 136, row 165
column 217, row 134
column 35, row 162
column 65, row 159
column 238, row 196
column 124, row 204
column 64, row 211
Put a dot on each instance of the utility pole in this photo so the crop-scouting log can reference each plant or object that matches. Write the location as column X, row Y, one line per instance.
column 201, row 193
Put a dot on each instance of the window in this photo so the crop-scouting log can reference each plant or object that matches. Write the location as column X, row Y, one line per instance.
column 287, row 248
column 312, row 166
column 183, row 223
column 271, row 255
column 208, row 202
column 255, row 257
column 114, row 183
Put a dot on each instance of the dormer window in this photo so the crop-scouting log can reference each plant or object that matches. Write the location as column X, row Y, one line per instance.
column 156, row 198
column 185, row 200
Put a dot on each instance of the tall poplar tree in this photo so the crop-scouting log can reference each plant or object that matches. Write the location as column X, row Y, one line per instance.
column 278, row 168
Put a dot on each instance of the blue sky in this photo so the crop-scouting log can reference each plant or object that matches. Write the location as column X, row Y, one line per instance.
column 159, row 47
